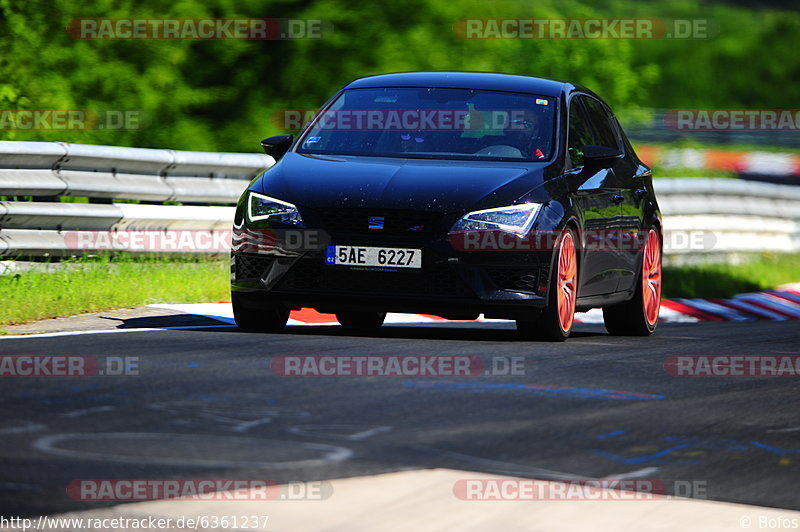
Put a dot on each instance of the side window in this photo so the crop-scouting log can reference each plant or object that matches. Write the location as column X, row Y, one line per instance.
column 604, row 131
column 580, row 134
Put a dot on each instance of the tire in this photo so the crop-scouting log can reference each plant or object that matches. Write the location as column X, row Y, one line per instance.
column 361, row 321
column 639, row 316
column 556, row 319
column 257, row 316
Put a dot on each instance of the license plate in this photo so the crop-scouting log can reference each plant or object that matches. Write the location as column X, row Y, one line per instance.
column 374, row 257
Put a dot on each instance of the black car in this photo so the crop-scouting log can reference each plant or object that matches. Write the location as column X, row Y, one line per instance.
column 454, row 194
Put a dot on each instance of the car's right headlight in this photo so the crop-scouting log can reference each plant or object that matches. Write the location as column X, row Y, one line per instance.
column 261, row 207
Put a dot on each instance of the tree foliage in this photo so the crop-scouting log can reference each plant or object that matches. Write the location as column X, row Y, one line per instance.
column 221, row 95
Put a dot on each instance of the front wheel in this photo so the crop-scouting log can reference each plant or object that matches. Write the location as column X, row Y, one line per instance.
column 257, row 316
column 556, row 319
column 639, row 316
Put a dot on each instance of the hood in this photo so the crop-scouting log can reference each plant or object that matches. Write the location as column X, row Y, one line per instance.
column 315, row 181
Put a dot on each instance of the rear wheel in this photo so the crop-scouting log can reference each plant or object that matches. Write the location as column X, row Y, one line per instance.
column 639, row 316
column 556, row 319
column 363, row 321
column 253, row 315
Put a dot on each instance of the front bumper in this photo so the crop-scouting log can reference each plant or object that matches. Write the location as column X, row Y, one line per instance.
column 453, row 284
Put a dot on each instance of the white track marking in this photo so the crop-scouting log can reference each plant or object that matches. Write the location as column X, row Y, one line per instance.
column 49, row 445
column 85, row 411
column 360, row 432
column 236, row 419
column 223, row 312
column 593, row 316
column 646, row 472
column 29, row 427
column 673, row 316
column 108, row 331
column 217, row 311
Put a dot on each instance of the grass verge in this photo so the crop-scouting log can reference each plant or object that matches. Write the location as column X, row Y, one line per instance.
column 659, row 172
column 91, row 285
column 758, row 272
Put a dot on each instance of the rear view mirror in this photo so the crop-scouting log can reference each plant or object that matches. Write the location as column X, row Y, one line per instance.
column 277, row 146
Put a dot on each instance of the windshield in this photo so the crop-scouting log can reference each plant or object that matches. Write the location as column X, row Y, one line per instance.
column 435, row 123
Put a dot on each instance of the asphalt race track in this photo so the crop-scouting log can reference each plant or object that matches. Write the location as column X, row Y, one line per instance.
column 207, row 404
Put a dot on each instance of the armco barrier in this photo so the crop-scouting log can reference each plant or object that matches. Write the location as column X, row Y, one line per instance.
column 736, row 216
column 61, row 169
column 46, row 170
column 739, row 216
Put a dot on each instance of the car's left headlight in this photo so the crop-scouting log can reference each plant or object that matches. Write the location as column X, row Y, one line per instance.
column 516, row 219
column 261, row 207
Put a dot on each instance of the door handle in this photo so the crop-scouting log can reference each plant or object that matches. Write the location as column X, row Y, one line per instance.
column 617, row 198
column 640, row 193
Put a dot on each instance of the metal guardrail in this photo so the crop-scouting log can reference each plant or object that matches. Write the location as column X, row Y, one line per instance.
column 724, row 216
column 47, row 170
column 61, row 169
column 701, row 216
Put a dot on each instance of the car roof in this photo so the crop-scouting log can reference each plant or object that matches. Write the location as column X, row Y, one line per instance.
column 468, row 80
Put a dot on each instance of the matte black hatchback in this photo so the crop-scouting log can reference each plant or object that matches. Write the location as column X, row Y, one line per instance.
column 454, row 194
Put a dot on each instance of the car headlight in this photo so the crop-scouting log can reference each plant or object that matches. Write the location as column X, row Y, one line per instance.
column 516, row 219
column 261, row 207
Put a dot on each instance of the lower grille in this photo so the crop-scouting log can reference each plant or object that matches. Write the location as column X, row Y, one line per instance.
column 310, row 275
column 251, row 266
column 507, row 279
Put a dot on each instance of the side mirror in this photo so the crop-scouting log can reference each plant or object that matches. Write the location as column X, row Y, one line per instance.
column 600, row 156
column 277, row 146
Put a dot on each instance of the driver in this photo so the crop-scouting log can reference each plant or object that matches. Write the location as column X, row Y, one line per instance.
column 522, row 132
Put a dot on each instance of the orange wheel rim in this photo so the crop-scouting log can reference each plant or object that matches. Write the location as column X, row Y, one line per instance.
column 566, row 282
column 651, row 277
